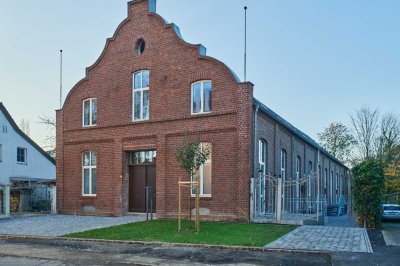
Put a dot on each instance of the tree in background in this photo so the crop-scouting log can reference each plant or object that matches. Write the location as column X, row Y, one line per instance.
column 365, row 124
column 50, row 140
column 389, row 138
column 368, row 185
column 338, row 140
column 24, row 125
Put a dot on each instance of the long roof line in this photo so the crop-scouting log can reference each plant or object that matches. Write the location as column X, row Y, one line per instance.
column 297, row 132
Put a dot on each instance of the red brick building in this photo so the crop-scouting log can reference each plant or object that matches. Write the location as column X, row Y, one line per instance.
column 120, row 126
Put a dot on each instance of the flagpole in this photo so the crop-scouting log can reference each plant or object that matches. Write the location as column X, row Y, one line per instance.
column 245, row 41
column 61, row 55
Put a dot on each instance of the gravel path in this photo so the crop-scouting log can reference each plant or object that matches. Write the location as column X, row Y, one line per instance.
column 58, row 225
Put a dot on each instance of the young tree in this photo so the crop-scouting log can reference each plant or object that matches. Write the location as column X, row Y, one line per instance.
column 365, row 124
column 190, row 156
column 337, row 139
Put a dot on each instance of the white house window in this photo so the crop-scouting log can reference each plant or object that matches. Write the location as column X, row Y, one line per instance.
column 283, row 164
column 21, row 155
column 298, row 175
column 141, row 84
column 201, row 97
column 4, row 129
column 89, row 173
column 262, row 156
column 89, row 115
column 204, row 174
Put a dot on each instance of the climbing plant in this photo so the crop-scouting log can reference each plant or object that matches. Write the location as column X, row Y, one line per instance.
column 368, row 185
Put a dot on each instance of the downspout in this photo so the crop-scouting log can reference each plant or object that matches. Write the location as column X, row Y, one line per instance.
column 251, row 209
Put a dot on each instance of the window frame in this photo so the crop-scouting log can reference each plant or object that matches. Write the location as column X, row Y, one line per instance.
column 201, row 97
column 201, row 174
column 1, row 153
column 91, row 124
column 25, row 155
column 283, row 164
column 141, row 90
column 263, row 155
column 90, row 167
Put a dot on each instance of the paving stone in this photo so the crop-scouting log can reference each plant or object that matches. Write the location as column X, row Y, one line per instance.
column 325, row 238
column 58, row 225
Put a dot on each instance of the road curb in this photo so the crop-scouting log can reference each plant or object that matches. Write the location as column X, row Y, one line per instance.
column 166, row 244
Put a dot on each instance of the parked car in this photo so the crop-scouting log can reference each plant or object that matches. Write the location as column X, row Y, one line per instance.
column 390, row 212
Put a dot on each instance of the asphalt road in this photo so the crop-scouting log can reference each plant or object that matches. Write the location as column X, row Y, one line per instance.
column 51, row 252
column 391, row 233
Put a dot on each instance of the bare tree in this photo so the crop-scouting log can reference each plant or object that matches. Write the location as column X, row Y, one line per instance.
column 389, row 136
column 338, row 140
column 24, row 125
column 50, row 140
column 365, row 124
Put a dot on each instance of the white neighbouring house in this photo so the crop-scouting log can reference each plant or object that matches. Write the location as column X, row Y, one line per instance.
column 27, row 172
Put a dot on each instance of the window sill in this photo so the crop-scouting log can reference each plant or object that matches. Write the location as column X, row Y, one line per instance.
column 89, row 126
column 22, row 163
column 89, row 196
column 202, row 113
column 202, row 196
column 140, row 120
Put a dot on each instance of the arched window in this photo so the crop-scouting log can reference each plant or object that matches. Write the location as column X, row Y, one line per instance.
column 262, row 156
column 201, row 97
column 283, row 164
column 141, row 84
column 310, row 175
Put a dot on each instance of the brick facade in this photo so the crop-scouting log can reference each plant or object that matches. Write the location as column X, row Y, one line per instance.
column 174, row 65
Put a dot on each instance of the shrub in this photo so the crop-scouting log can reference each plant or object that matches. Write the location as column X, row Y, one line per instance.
column 368, row 185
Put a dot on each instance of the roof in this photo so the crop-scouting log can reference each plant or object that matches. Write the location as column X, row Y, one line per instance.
column 23, row 135
column 297, row 132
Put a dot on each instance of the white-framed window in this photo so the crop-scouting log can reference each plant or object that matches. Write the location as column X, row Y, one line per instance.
column 4, row 129
column 204, row 174
column 262, row 156
column 140, row 86
column 337, row 183
column 331, row 185
column 89, row 162
column 201, row 97
column 283, row 164
column 21, row 155
column 298, row 175
column 310, row 173
column 89, row 112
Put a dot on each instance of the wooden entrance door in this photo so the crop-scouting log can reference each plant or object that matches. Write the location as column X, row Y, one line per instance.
column 141, row 176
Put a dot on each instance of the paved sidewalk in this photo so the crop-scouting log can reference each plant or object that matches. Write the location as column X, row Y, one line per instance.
column 325, row 238
column 391, row 233
column 58, row 225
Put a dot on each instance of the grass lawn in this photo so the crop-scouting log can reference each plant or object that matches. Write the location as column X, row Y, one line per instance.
column 215, row 233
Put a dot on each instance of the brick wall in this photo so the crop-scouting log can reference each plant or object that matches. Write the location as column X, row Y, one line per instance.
column 173, row 65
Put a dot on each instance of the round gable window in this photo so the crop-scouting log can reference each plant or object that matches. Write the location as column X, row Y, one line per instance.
column 140, row 45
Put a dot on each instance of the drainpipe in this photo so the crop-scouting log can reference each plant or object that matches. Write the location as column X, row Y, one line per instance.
column 254, row 163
